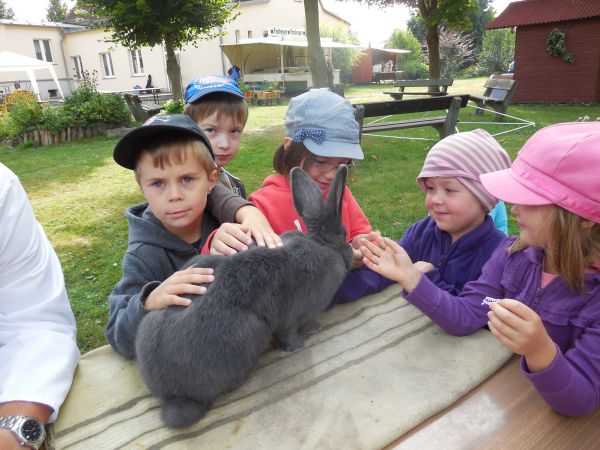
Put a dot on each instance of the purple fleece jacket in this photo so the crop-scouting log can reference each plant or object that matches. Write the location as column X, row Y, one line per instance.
column 571, row 385
column 455, row 264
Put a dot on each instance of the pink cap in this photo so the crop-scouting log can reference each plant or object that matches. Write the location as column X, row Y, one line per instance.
column 560, row 165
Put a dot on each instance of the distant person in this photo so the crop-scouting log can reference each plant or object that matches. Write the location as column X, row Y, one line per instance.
column 38, row 351
column 539, row 293
column 235, row 73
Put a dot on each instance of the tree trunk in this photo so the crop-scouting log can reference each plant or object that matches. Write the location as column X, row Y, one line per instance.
column 173, row 69
column 433, row 48
column 316, row 57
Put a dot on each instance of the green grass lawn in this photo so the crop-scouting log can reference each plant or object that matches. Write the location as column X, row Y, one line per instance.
column 79, row 193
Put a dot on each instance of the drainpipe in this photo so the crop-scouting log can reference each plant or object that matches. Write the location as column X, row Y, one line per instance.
column 223, row 67
column 64, row 59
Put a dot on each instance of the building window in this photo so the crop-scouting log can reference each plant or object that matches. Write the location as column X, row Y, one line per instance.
column 107, row 65
column 77, row 66
column 42, row 50
column 237, row 36
column 249, row 34
column 137, row 64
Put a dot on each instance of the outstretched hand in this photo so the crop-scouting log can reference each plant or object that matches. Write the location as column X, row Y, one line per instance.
column 357, row 256
column 229, row 239
column 521, row 330
column 259, row 227
column 389, row 259
column 181, row 282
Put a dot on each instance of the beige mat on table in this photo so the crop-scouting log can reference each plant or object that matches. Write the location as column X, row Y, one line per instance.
column 378, row 368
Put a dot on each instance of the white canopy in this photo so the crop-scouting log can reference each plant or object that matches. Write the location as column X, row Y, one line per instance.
column 260, row 53
column 14, row 62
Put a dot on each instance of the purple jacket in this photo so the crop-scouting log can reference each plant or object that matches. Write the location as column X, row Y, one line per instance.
column 571, row 385
column 455, row 264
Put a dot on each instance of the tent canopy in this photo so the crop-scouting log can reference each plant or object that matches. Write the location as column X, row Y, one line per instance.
column 274, row 54
column 14, row 62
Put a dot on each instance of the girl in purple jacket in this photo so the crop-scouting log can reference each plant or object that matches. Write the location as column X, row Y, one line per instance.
column 453, row 242
column 539, row 293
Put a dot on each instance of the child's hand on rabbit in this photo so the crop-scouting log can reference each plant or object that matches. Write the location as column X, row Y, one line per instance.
column 230, row 239
column 391, row 260
column 259, row 227
column 180, row 283
column 372, row 236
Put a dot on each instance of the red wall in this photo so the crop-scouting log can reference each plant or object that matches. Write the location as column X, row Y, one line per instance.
column 363, row 71
column 544, row 78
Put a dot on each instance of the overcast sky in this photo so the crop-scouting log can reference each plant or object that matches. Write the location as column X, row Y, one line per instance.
column 372, row 25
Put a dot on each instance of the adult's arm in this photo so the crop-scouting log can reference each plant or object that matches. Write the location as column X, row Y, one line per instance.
column 38, row 350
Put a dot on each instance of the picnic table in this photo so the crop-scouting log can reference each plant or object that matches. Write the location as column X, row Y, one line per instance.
column 378, row 373
column 141, row 93
column 442, row 86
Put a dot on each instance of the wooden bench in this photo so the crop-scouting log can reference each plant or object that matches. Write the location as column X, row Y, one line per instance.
column 445, row 125
column 498, row 93
column 141, row 111
column 442, row 86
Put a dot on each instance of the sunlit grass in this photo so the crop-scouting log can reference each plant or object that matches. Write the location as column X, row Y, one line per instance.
column 80, row 194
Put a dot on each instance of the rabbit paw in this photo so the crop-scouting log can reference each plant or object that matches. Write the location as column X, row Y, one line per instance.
column 309, row 327
column 290, row 341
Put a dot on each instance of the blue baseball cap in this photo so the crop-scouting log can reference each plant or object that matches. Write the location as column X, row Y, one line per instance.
column 199, row 87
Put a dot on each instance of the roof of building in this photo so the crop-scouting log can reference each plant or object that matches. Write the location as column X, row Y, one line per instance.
column 534, row 12
column 33, row 23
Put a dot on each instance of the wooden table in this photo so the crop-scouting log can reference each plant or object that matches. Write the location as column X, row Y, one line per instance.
column 504, row 412
column 154, row 91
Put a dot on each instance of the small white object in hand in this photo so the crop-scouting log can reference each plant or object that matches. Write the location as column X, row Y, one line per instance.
column 490, row 300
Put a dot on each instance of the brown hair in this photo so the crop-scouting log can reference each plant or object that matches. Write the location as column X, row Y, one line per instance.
column 572, row 247
column 169, row 150
column 223, row 104
column 285, row 159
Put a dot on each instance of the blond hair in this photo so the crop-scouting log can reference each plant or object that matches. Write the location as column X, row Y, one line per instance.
column 169, row 150
column 572, row 247
column 221, row 103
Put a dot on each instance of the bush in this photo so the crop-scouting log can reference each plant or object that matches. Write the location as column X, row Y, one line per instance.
column 173, row 106
column 24, row 114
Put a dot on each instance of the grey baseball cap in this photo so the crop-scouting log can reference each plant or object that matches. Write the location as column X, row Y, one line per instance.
column 324, row 122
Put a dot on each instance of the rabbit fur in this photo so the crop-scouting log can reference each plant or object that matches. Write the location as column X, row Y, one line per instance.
column 190, row 355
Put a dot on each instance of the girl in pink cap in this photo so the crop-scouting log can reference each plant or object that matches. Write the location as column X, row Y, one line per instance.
column 539, row 293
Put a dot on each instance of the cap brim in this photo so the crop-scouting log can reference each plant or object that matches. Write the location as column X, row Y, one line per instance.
column 220, row 89
column 335, row 149
column 126, row 151
column 505, row 186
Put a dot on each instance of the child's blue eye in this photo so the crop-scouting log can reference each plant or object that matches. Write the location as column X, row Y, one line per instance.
column 187, row 179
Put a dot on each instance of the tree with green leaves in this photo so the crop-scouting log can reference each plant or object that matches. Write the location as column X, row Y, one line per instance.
column 455, row 13
column 174, row 23
column 342, row 58
column 6, row 11
column 322, row 76
column 56, row 11
column 498, row 50
column 412, row 64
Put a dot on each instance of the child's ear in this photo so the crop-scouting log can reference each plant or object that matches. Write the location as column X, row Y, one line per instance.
column 286, row 142
column 212, row 179
column 586, row 224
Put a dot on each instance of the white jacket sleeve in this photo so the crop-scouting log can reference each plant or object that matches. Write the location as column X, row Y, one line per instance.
column 38, row 350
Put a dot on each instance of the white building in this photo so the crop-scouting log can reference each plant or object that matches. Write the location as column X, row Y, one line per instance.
column 73, row 49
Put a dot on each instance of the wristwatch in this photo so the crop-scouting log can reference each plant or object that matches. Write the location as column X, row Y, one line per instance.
column 29, row 431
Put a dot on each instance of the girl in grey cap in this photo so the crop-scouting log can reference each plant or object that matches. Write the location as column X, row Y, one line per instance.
column 321, row 134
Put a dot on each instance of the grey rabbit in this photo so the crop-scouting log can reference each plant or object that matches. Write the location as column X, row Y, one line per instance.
column 189, row 356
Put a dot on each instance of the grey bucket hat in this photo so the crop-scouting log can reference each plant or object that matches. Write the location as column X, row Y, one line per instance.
column 324, row 122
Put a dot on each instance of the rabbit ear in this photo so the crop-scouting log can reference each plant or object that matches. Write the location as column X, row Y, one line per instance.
column 308, row 199
column 335, row 195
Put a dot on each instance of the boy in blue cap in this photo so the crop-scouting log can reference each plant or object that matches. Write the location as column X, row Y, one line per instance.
column 217, row 105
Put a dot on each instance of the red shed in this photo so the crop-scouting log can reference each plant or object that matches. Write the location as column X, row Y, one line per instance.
column 545, row 78
column 372, row 67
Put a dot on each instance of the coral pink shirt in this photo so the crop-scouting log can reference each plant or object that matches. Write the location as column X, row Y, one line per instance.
column 274, row 199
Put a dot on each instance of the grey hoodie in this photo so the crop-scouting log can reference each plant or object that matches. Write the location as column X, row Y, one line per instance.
column 153, row 255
